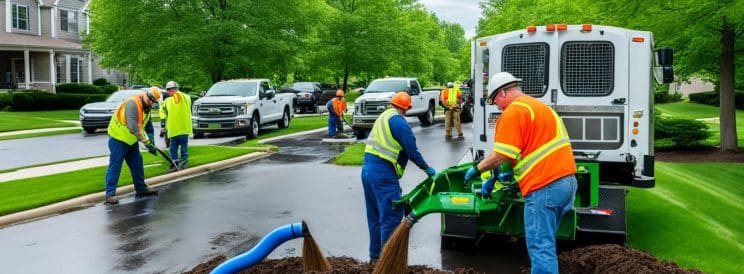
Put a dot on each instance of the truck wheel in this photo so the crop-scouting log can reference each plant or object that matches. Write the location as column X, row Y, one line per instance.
column 89, row 130
column 253, row 127
column 466, row 116
column 284, row 122
column 427, row 119
column 198, row 134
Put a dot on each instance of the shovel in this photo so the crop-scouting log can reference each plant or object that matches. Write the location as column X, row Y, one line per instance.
column 165, row 155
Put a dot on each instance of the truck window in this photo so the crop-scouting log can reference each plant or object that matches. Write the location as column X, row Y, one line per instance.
column 232, row 89
column 379, row 86
column 415, row 90
column 530, row 63
column 587, row 68
column 265, row 86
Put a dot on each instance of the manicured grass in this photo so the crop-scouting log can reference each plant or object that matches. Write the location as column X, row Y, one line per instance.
column 297, row 124
column 10, row 121
column 692, row 217
column 710, row 114
column 41, row 134
column 353, row 155
column 29, row 193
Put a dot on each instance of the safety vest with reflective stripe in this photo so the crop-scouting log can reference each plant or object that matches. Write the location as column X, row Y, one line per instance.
column 554, row 155
column 117, row 127
column 449, row 96
column 176, row 110
column 381, row 142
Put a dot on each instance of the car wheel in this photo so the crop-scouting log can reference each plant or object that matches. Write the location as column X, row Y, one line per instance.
column 253, row 127
column 427, row 119
column 284, row 122
column 89, row 130
column 198, row 134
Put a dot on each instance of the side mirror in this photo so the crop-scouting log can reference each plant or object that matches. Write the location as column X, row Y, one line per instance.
column 663, row 69
column 664, row 57
column 361, row 90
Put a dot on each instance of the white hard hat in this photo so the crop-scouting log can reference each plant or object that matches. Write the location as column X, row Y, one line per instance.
column 171, row 84
column 449, row 84
column 500, row 80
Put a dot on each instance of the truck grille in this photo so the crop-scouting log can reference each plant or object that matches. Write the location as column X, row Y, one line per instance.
column 530, row 63
column 216, row 111
column 375, row 107
column 587, row 68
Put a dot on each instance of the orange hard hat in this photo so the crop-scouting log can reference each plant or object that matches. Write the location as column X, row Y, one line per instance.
column 340, row 93
column 402, row 100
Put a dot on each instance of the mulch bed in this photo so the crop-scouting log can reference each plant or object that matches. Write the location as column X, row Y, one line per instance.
column 590, row 259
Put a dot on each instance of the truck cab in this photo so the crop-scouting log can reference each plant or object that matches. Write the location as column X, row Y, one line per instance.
column 377, row 96
column 241, row 106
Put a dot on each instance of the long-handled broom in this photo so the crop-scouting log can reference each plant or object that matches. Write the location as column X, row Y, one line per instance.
column 394, row 257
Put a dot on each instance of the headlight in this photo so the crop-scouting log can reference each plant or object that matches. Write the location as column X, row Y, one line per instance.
column 193, row 110
column 357, row 108
column 243, row 109
column 82, row 113
column 111, row 111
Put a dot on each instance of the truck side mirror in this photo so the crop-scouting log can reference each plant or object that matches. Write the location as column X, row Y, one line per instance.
column 361, row 90
column 270, row 93
column 663, row 69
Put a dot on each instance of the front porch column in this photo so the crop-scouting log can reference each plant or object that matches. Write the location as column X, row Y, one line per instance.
column 90, row 68
column 52, row 72
column 27, row 68
column 67, row 68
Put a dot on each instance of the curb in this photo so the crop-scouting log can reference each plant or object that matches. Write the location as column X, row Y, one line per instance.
column 63, row 206
column 301, row 133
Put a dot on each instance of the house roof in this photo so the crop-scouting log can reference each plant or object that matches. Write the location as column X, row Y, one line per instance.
column 33, row 41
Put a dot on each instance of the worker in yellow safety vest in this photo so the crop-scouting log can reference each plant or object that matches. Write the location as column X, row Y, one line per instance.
column 176, row 112
column 451, row 99
column 390, row 145
column 126, row 127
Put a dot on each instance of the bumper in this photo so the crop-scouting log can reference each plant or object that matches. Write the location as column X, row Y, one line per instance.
column 366, row 121
column 305, row 103
column 97, row 122
column 221, row 125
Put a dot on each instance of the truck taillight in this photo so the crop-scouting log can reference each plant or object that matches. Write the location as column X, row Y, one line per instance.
column 550, row 27
column 637, row 39
column 586, row 27
column 531, row 28
column 562, row 27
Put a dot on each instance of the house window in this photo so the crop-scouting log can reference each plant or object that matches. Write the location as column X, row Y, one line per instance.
column 76, row 70
column 68, row 20
column 20, row 17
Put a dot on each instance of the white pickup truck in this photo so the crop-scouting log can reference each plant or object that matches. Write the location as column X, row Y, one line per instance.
column 241, row 106
column 377, row 96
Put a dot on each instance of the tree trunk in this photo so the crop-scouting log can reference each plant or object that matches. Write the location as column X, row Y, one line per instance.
column 727, row 96
column 346, row 77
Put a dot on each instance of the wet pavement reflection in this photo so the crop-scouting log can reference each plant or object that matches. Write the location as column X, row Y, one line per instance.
column 228, row 211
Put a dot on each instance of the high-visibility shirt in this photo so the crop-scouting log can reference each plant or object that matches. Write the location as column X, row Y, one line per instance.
column 117, row 127
column 533, row 136
column 381, row 142
column 176, row 110
column 339, row 106
column 450, row 96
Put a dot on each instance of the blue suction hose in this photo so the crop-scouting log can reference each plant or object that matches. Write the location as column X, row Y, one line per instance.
column 262, row 249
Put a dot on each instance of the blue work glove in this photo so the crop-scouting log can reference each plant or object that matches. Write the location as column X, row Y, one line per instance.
column 151, row 147
column 472, row 172
column 430, row 171
column 505, row 177
column 487, row 187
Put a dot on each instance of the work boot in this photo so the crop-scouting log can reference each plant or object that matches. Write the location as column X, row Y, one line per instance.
column 110, row 200
column 459, row 136
column 183, row 164
column 447, row 137
column 341, row 136
column 146, row 193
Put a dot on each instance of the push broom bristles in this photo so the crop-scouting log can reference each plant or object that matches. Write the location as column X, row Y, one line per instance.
column 312, row 258
column 394, row 257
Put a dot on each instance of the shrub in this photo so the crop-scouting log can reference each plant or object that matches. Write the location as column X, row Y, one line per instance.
column 683, row 132
column 661, row 97
column 41, row 100
column 109, row 88
column 707, row 98
column 83, row 88
column 100, row 82
column 5, row 101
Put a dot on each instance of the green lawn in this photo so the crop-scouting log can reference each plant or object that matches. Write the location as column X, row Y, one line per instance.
column 710, row 114
column 353, row 155
column 10, row 121
column 30, row 193
column 692, row 217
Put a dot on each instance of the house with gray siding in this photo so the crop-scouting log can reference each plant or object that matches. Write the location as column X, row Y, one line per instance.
column 40, row 45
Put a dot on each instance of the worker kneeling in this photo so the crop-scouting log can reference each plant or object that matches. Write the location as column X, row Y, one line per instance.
column 336, row 109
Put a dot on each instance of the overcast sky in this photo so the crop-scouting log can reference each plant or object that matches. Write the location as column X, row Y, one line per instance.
column 463, row 12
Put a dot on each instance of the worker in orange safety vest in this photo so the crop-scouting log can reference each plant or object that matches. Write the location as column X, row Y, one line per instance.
column 336, row 109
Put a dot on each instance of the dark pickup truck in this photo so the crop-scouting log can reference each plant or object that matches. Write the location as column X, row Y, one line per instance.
column 310, row 95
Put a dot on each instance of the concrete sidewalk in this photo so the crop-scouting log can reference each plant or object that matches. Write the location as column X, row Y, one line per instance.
column 53, row 169
column 28, row 131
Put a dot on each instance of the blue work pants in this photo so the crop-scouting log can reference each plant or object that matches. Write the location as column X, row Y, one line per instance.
column 543, row 210
column 179, row 142
column 332, row 125
column 120, row 152
column 381, row 188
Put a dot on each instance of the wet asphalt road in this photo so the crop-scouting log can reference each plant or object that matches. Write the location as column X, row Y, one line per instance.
column 230, row 210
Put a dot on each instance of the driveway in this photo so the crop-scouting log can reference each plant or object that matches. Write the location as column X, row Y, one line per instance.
column 229, row 211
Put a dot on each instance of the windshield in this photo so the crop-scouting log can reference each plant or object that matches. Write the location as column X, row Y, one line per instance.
column 308, row 87
column 378, row 86
column 120, row 96
column 233, row 89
